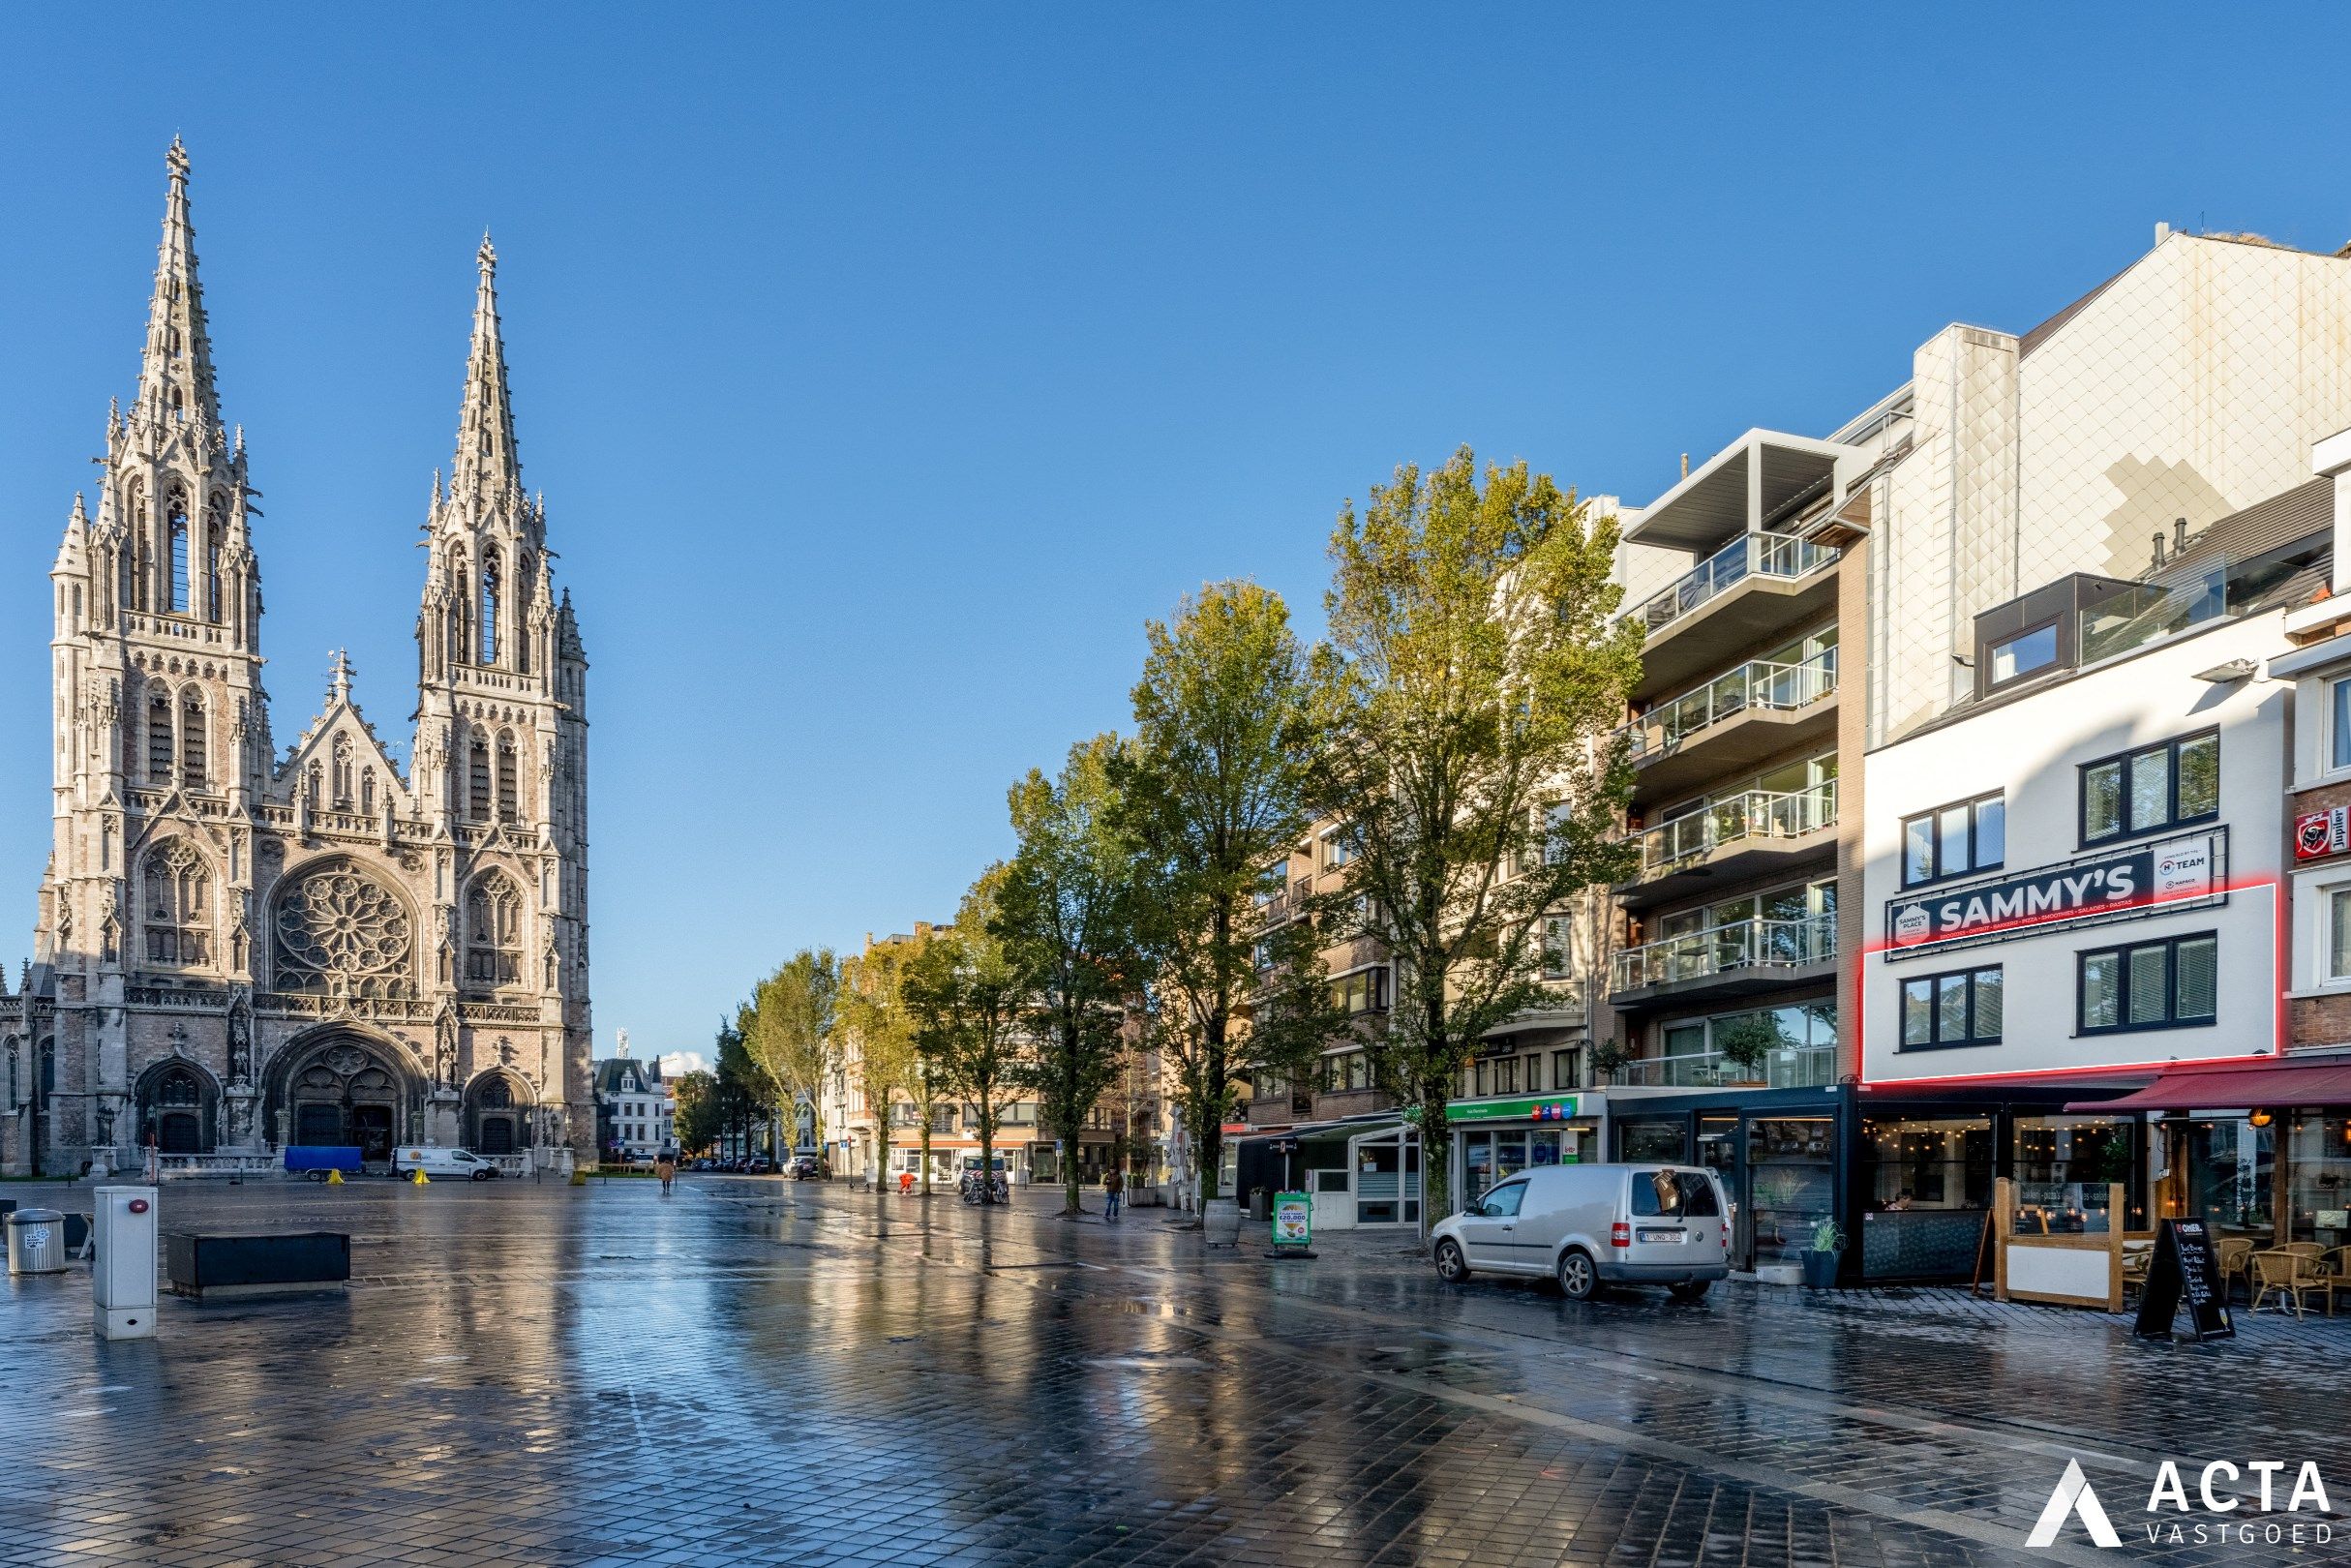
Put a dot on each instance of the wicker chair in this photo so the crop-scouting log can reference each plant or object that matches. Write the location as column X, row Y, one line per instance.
column 2336, row 1276
column 2292, row 1276
column 2234, row 1254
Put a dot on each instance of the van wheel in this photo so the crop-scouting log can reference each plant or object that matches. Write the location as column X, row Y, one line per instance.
column 1579, row 1277
column 1693, row 1290
column 483, row 1175
column 1451, row 1266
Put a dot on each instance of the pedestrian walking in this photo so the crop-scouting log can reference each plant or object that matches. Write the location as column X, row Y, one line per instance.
column 906, row 1182
column 665, row 1166
column 1114, row 1191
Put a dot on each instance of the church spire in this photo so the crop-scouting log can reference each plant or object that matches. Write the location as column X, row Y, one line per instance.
column 486, row 470
column 176, row 368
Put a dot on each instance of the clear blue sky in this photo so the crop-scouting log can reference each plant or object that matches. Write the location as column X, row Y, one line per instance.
column 884, row 366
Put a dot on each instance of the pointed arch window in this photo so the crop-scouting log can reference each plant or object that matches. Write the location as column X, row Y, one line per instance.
column 215, row 535
column 195, row 740
column 461, row 620
column 493, row 932
column 139, row 567
column 159, row 739
column 478, row 780
column 314, row 777
column 525, row 578
column 490, row 589
column 343, row 772
column 366, row 791
column 509, row 788
column 176, row 522
column 177, row 905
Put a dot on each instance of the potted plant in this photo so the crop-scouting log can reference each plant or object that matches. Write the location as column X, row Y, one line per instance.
column 1608, row 1057
column 1744, row 1043
column 1821, row 1258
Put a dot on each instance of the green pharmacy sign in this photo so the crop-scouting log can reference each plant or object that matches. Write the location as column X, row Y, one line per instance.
column 1540, row 1108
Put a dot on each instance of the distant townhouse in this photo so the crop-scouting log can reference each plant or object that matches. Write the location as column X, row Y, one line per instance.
column 636, row 1110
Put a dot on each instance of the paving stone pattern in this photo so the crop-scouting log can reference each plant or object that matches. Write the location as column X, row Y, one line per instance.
column 756, row 1372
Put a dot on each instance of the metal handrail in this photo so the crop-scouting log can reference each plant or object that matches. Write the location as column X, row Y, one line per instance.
column 1751, row 555
column 1750, row 943
column 1719, row 824
column 1758, row 683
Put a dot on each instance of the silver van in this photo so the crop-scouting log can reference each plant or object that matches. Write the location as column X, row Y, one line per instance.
column 1590, row 1226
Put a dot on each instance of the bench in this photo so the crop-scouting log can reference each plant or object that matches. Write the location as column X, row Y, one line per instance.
column 209, row 1268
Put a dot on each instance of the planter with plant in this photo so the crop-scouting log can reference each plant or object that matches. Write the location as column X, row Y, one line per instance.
column 1744, row 1044
column 1821, row 1258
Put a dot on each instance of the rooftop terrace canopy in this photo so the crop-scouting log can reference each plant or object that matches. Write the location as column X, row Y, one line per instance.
column 1754, row 479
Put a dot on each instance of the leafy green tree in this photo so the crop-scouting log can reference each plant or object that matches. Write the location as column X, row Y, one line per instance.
column 1067, row 919
column 872, row 1010
column 745, row 1093
column 964, row 997
column 1214, row 794
column 788, row 1030
column 696, row 1124
column 1466, row 693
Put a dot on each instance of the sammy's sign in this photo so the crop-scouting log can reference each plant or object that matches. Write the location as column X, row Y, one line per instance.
column 2097, row 888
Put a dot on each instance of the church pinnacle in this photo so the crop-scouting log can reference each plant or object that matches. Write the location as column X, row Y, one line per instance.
column 175, row 366
column 486, row 470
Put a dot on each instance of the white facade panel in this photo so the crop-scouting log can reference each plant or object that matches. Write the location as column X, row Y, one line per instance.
column 2031, row 751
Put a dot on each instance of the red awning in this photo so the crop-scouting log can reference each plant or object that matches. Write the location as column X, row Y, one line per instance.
column 2217, row 1088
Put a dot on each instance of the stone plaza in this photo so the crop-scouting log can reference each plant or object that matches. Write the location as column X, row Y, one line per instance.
column 762, row 1371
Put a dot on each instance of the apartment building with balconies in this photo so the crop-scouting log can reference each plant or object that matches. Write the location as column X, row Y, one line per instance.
column 1805, row 599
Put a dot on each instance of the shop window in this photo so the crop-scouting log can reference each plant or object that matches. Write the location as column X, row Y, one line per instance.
column 1912, row 1163
column 1960, row 1009
column 2063, row 1166
column 1954, row 840
column 1663, row 1142
column 2166, row 984
column 1792, row 1180
column 2152, row 789
column 2318, row 1179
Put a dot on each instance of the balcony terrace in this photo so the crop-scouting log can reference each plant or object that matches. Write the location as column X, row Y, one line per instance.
column 1743, row 835
column 1733, row 721
column 1740, row 958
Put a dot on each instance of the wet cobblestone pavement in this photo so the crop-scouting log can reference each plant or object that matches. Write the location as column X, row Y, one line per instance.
column 754, row 1372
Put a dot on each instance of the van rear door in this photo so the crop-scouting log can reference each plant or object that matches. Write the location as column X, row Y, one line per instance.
column 1676, row 1218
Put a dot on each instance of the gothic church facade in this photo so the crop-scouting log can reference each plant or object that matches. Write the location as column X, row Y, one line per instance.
column 237, row 949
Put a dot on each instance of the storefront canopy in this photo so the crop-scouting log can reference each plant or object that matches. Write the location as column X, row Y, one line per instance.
column 2283, row 1083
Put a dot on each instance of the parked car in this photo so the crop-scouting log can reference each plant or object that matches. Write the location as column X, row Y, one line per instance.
column 806, row 1169
column 442, row 1162
column 756, row 1165
column 1591, row 1226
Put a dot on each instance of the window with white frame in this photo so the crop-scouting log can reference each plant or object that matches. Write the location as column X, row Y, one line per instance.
column 2338, row 933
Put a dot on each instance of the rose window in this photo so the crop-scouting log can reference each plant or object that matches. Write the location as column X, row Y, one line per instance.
column 341, row 934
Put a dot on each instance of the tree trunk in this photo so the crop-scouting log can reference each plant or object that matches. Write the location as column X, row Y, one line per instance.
column 987, row 1151
column 926, row 1149
column 1437, row 1160
column 881, row 1151
column 1212, row 1125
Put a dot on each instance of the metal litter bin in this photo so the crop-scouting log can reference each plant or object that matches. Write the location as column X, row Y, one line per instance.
column 35, row 1242
column 1260, row 1204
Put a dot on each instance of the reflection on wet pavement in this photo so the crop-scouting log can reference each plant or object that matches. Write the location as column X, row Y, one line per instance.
column 754, row 1372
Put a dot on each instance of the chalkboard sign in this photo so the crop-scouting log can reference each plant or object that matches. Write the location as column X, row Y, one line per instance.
column 2184, row 1268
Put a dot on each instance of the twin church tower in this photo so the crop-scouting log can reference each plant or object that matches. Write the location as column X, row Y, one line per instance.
column 239, row 948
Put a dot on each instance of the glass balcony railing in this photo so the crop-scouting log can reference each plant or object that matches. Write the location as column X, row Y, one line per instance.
column 1760, row 683
column 1721, row 950
column 1751, row 816
column 1789, row 1066
column 1751, row 555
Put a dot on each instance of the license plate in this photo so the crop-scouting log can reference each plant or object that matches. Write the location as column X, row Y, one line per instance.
column 1660, row 1235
